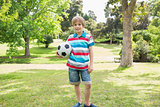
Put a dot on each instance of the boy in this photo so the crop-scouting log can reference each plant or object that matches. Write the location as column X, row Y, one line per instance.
column 81, row 54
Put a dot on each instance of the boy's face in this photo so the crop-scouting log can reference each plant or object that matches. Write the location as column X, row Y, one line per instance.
column 78, row 27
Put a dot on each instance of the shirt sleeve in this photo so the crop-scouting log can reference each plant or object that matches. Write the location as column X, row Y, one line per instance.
column 91, row 42
column 68, row 38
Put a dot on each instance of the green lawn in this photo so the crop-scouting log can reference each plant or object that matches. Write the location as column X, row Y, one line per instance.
column 39, row 55
column 137, row 86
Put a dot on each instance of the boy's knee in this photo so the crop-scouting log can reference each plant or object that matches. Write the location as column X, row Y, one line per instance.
column 88, row 86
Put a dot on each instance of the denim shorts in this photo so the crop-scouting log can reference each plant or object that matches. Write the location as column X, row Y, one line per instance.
column 76, row 76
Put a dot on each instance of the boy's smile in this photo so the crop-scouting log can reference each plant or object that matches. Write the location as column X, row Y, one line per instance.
column 78, row 27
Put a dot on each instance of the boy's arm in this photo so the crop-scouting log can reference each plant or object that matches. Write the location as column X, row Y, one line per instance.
column 90, row 67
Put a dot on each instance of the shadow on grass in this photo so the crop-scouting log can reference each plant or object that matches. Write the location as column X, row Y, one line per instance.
column 40, row 50
column 9, row 76
column 21, row 60
column 55, row 58
column 119, row 69
column 34, row 60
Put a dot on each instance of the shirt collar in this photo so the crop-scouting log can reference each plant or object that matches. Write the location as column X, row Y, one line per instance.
column 83, row 34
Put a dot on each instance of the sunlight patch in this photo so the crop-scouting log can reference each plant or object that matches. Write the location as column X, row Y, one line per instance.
column 65, row 86
column 27, row 71
column 68, row 95
column 12, row 90
column 8, row 91
column 11, row 84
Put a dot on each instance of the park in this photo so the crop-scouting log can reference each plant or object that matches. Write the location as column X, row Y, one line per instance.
column 126, row 53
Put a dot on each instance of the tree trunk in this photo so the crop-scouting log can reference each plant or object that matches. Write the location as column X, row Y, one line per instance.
column 27, row 52
column 111, row 37
column 47, row 45
column 127, row 56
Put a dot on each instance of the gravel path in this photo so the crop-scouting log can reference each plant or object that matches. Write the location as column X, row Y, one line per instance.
column 7, row 68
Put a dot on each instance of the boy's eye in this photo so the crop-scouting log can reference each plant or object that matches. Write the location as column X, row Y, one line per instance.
column 77, row 24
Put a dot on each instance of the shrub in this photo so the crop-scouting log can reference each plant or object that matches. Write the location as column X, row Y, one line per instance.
column 142, row 52
column 47, row 40
column 154, row 30
column 141, row 34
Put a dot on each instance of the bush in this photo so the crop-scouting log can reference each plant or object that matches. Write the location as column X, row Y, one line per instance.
column 117, row 38
column 142, row 52
column 141, row 34
column 154, row 30
column 47, row 40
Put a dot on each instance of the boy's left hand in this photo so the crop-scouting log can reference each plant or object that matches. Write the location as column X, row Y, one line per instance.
column 90, row 68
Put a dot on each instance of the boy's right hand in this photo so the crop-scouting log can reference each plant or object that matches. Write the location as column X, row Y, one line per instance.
column 58, row 55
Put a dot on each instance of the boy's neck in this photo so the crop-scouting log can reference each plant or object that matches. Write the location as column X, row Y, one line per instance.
column 79, row 34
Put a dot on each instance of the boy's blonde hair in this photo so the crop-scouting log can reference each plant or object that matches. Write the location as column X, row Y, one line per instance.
column 78, row 19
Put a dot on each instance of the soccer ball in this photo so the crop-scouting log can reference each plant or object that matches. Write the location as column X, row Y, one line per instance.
column 64, row 49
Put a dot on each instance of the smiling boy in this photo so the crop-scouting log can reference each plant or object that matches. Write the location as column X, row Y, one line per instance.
column 80, row 62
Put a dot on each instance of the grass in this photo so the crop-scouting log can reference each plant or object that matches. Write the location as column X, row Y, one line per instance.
column 39, row 55
column 137, row 86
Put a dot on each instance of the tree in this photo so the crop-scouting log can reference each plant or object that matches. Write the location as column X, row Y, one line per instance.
column 110, row 28
column 90, row 25
column 47, row 40
column 75, row 9
column 154, row 8
column 100, row 31
column 35, row 19
column 114, row 24
column 127, row 12
column 127, row 9
column 141, row 13
column 114, row 12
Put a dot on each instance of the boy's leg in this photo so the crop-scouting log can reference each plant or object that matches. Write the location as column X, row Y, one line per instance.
column 74, row 79
column 87, row 94
column 78, row 93
column 87, row 81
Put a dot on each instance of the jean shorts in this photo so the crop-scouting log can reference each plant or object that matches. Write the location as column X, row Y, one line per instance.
column 76, row 76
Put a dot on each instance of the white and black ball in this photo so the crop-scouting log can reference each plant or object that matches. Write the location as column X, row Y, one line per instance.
column 64, row 49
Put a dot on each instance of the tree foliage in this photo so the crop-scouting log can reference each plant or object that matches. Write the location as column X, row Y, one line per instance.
column 48, row 39
column 155, row 8
column 75, row 9
column 90, row 15
column 35, row 19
